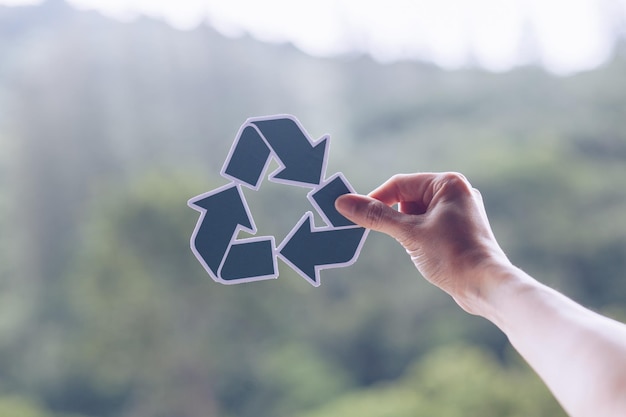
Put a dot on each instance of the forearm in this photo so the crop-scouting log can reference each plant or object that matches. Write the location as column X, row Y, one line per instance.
column 579, row 354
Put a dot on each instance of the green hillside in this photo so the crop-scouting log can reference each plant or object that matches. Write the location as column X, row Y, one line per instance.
column 108, row 128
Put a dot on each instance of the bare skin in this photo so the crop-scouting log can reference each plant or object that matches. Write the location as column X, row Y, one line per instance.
column 442, row 224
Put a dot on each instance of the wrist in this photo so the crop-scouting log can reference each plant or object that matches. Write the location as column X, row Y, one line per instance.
column 492, row 283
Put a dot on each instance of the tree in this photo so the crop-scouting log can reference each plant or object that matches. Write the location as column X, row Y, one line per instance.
column 452, row 381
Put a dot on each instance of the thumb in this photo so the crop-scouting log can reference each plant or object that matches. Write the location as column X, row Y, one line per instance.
column 370, row 213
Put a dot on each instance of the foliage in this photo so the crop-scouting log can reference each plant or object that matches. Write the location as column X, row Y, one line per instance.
column 14, row 406
column 449, row 382
column 107, row 129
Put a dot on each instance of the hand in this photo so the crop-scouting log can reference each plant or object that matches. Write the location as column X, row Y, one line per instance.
column 442, row 224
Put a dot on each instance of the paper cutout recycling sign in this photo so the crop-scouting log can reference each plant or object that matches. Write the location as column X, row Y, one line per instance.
column 224, row 212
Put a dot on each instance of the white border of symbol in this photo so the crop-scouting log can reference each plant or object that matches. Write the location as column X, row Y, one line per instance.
column 271, row 177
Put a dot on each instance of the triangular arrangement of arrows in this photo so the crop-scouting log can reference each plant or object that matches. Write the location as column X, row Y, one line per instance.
column 224, row 211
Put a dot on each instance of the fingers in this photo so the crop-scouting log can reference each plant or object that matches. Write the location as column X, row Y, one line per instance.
column 404, row 187
column 415, row 192
column 371, row 213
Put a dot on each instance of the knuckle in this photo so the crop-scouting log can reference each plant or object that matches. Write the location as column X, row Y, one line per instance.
column 454, row 177
column 375, row 215
column 455, row 181
column 400, row 176
column 397, row 178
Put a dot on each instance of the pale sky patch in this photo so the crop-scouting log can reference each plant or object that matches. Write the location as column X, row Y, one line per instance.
column 566, row 35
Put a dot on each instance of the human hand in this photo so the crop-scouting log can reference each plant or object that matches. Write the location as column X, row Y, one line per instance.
column 442, row 224
column 441, row 221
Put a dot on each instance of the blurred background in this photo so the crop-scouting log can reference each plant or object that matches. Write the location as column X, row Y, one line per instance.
column 114, row 113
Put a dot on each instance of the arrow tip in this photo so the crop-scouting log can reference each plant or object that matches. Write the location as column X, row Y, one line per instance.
column 225, row 202
column 294, row 250
column 310, row 170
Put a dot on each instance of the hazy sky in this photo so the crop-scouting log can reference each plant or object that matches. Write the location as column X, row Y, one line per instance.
column 567, row 35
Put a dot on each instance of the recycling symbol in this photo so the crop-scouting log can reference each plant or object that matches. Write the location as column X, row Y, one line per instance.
column 224, row 212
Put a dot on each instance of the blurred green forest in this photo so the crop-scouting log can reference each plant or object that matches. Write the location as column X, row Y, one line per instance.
column 108, row 128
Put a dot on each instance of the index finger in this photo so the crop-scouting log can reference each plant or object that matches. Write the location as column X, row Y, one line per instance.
column 403, row 188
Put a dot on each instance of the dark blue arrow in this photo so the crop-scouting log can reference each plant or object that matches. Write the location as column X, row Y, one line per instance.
column 302, row 160
column 250, row 259
column 325, row 198
column 308, row 250
column 248, row 158
column 224, row 212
